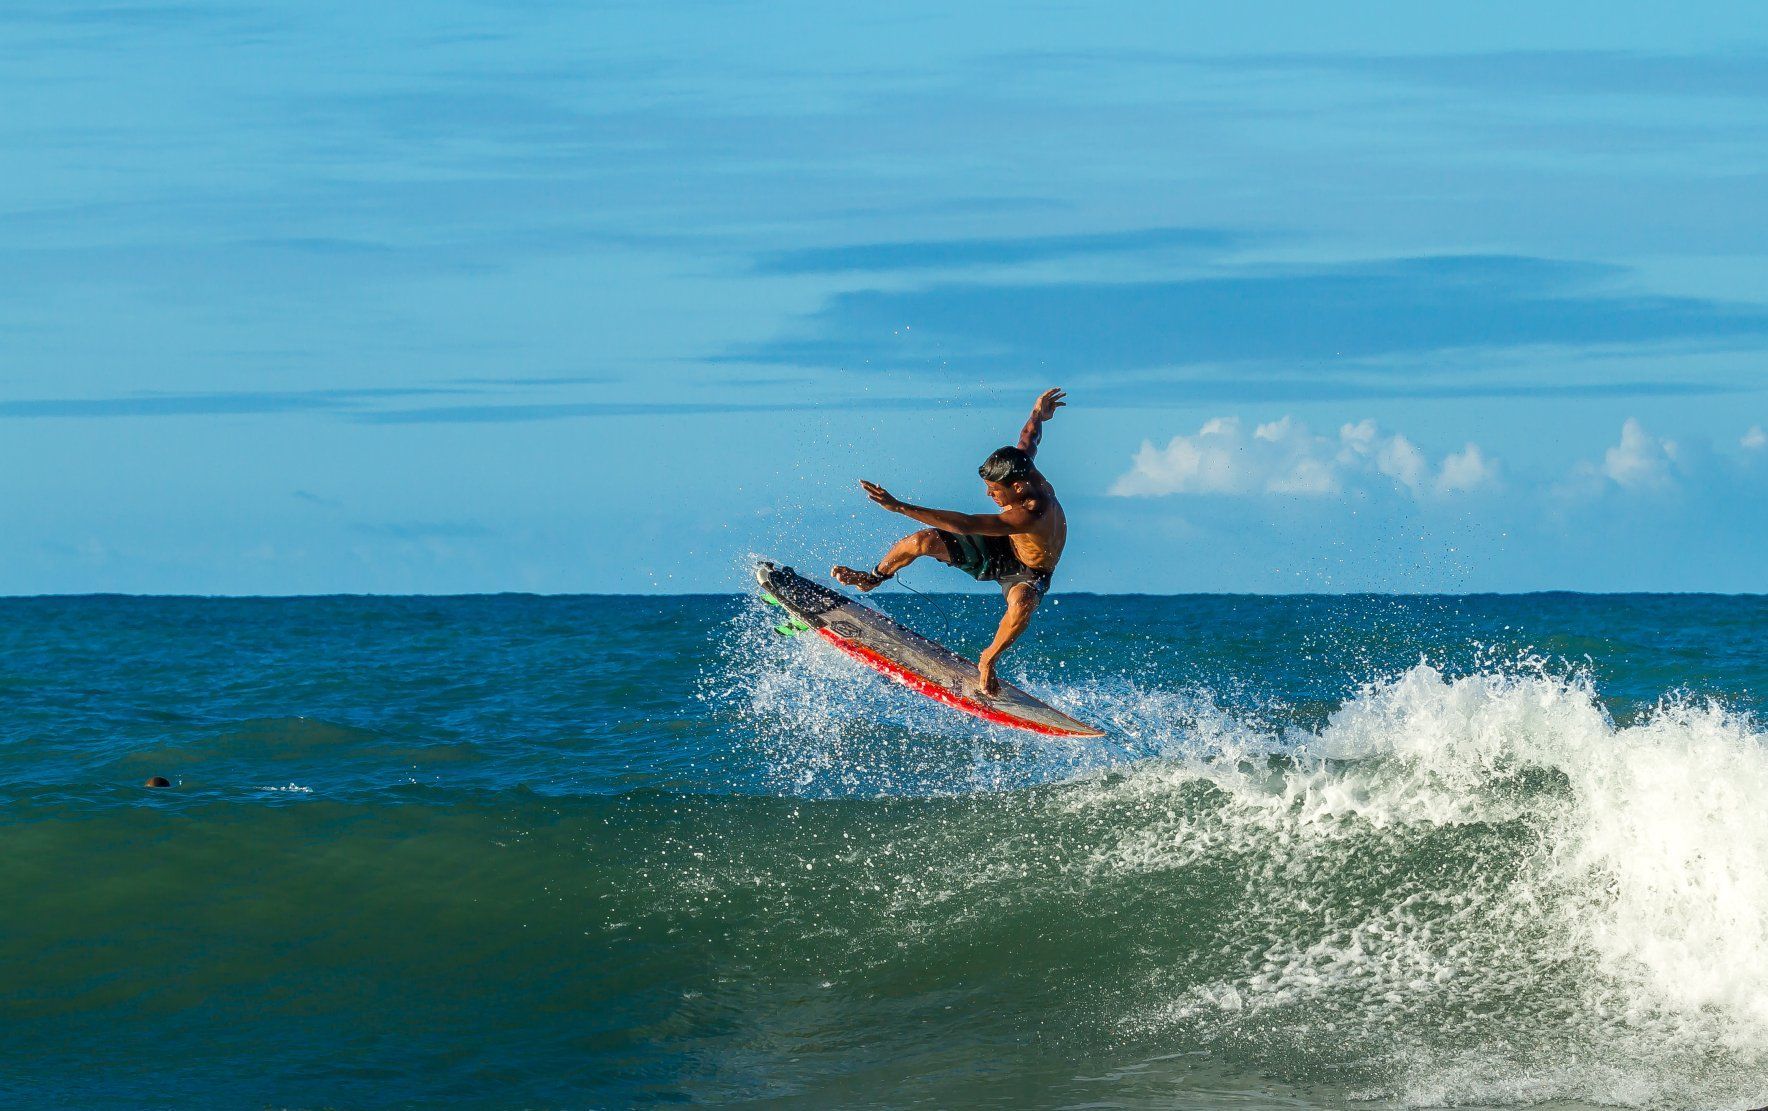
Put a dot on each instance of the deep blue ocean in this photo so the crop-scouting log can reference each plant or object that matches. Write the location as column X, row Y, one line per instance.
column 582, row 852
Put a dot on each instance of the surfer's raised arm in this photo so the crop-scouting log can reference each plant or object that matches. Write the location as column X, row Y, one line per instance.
column 1042, row 410
column 1011, row 521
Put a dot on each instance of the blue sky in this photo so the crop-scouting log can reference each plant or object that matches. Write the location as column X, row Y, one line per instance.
column 499, row 296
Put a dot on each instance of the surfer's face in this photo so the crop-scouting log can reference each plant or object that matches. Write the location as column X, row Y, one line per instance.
column 1004, row 494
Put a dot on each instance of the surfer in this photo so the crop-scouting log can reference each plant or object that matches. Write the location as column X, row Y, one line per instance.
column 1017, row 547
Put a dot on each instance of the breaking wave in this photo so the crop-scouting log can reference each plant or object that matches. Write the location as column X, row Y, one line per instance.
column 1447, row 889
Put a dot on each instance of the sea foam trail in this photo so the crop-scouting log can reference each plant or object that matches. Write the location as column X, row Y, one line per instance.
column 1625, row 929
column 1618, row 918
column 1474, row 888
column 1657, row 832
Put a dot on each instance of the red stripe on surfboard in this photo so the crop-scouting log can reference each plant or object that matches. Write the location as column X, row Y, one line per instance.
column 939, row 694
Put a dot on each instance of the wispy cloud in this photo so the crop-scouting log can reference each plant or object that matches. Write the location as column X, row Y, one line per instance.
column 1594, row 72
column 365, row 405
column 369, row 405
column 167, row 405
column 212, row 404
column 115, row 16
column 236, row 268
column 956, row 254
column 557, row 380
column 1732, row 73
column 1329, row 318
column 1382, row 384
column 29, row 29
column 422, row 530
column 523, row 412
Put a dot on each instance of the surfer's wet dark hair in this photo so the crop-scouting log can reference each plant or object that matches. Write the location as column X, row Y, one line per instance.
column 1007, row 464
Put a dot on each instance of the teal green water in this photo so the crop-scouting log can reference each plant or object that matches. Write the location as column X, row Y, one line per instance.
column 597, row 852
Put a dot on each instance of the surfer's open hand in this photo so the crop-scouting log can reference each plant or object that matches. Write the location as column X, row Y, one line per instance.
column 880, row 495
column 1047, row 403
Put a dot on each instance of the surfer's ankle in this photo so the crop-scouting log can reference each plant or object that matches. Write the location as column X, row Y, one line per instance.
column 854, row 577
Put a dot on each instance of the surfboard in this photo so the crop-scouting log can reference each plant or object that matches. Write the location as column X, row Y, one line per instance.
column 905, row 655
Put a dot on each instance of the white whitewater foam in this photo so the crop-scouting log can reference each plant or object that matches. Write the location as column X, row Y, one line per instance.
column 1621, row 955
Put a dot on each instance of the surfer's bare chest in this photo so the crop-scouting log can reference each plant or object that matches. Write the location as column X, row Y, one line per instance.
column 1042, row 547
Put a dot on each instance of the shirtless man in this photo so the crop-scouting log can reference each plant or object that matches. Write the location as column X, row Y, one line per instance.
column 1017, row 547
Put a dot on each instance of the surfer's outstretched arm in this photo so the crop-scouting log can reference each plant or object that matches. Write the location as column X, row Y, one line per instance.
column 1041, row 410
column 1008, row 522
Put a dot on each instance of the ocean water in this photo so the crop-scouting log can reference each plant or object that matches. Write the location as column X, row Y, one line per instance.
column 514, row 851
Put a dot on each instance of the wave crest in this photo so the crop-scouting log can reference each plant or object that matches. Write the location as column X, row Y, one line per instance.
column 1453, row 888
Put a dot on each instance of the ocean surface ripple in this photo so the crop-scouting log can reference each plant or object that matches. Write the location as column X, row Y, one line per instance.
column 607, row 851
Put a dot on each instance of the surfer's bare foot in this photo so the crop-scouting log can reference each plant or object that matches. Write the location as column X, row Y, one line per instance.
column 986, row 680
column 861, row 580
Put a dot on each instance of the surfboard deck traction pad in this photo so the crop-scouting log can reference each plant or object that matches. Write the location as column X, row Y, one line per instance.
column 906, row 656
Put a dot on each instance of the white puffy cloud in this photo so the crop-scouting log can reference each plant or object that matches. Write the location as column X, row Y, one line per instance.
column 1207, row 463
column 1285, row 457
column 1646, row 463
column 1640, row 461
column 1466, row 470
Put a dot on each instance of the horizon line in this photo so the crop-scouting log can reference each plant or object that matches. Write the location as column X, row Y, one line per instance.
column 99, row 594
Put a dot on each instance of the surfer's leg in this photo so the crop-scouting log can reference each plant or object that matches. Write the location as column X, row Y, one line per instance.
column 927, row 542
column 1022, row 600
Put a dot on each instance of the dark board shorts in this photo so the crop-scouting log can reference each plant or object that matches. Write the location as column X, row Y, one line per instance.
column 991, row 559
